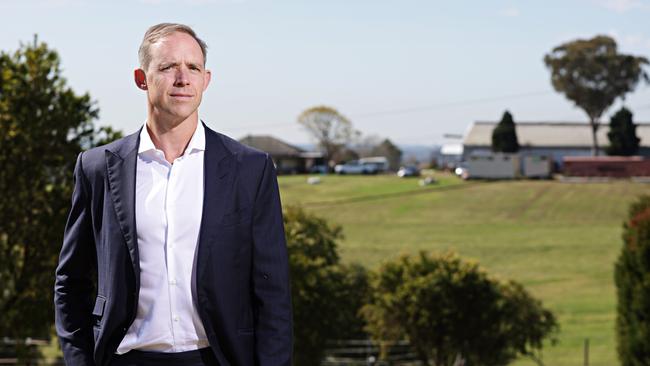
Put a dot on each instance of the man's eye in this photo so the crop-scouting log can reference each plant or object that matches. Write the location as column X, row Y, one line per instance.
column 165, row 68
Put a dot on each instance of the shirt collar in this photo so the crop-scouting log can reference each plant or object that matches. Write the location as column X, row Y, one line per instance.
column 197, row 142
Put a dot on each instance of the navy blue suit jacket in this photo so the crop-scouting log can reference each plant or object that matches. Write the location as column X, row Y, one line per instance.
column 242, row 276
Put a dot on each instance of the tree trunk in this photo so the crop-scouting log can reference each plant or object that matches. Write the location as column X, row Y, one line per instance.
column 594, row 138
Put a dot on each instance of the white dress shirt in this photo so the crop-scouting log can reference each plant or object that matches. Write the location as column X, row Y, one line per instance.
column 168, row 208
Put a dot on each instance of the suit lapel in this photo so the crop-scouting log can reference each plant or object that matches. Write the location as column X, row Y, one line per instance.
column 218, row 164
column 121, row 171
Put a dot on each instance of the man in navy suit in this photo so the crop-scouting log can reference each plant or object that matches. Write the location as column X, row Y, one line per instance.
column 174, row 250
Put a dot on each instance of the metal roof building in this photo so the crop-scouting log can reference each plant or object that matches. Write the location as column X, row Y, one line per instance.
column 556, row 139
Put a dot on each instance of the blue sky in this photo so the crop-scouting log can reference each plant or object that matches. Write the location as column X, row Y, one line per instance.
column 408, row 70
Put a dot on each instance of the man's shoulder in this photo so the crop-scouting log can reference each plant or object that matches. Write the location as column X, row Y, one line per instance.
column 94, row 159
column 244, row 153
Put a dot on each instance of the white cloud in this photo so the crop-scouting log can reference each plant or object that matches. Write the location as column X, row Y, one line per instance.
column 509, row 12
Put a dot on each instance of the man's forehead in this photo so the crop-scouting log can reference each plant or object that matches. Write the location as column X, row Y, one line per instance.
column 177, row 45
column 177, row 59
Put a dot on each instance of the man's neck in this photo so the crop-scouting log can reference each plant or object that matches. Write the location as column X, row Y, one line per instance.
column 172, row 137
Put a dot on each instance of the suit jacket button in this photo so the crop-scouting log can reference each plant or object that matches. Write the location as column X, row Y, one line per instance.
column 266, row 277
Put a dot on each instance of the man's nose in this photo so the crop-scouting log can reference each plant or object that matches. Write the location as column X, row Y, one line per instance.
column 181, row 78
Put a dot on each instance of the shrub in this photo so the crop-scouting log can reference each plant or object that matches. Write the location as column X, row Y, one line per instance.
column 450, row 309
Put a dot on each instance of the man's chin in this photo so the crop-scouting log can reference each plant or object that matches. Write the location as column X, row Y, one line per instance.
column 177, row 115
column 183, row 109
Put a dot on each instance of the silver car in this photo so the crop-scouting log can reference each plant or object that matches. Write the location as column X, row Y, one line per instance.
column 355, row 167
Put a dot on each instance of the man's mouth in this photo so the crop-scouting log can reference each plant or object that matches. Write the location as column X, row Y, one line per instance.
column 179, row 95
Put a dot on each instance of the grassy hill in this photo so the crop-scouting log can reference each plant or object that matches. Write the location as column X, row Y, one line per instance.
column 558, row 239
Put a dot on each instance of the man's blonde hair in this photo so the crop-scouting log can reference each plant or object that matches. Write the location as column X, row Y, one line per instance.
column 159, row 31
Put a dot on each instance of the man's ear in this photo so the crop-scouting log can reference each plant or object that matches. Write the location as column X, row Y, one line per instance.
column 207, row 77
column 140, row 79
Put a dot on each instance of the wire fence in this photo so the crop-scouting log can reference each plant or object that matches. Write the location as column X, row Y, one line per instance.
column 362, row 352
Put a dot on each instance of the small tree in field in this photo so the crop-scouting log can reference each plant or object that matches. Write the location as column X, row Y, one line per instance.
column 331, row 129
column 632, row 275
column 450, row 310
column 593, row 74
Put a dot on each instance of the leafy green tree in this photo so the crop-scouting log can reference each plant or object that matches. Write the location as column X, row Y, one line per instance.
column 326, row 295
column 451, row 310
column 332, row 130
column 387, row 149
column 632, row 276
column 622, row 134
column 43, row 126
column 593, row 74
column 504, row 135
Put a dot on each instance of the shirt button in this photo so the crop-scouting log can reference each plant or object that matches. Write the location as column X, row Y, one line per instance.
column 172, row 282
column 176, row 318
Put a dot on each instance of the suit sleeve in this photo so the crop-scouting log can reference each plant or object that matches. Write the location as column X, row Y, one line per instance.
column 272, row 293
column 74, row 285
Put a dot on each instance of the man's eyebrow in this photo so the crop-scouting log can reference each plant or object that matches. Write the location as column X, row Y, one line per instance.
column 168, row 63
column 176, row 63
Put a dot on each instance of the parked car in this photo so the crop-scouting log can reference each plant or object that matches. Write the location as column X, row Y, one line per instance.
column 408, row 171
column 379, row 162
column 355, row 167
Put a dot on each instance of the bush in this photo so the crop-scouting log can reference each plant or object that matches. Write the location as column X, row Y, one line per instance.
column 632, row 276
column 327, row 296
column 450, row 309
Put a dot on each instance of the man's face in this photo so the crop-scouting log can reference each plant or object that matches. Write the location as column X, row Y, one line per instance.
column 176, row 77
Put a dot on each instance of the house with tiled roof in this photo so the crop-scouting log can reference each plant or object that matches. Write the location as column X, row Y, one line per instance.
column 288, row 159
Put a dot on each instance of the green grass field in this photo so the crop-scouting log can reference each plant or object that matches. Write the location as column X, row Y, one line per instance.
column 559, row 239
